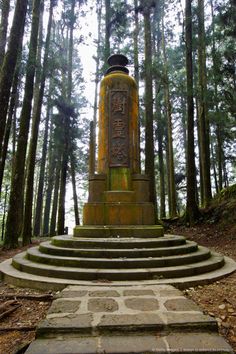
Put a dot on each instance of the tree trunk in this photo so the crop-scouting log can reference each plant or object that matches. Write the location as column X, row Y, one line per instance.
column 66, row 119
column 52, row 231
column 149, row 139
column 172, row 211
column 12, row 105
column 3, row 28
column 203, row 111
column 107, row 32
column 91, row 150
column 49, row 189
column 39, row 203
column 75, row 198
column 14, row 218
column 135, row 36
column 159, row 134
column 62, row 189
column 219, row 127
column 9, row 62
column 97, row 76
column 192, row 211
column 27, row 223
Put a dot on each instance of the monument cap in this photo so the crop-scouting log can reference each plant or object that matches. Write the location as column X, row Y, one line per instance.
column 117, row 62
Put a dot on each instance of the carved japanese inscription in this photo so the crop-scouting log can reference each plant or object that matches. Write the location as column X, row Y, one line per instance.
column 118, row 129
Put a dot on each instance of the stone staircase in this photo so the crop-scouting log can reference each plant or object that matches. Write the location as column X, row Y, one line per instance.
column 115, row 258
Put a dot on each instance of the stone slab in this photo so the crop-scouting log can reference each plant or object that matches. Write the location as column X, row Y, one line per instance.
column 198, row 342
column 102, row 305
column 142, row 304
column 64, row 305
column 66, row 323
column 133, row 344
column 181, row 305
column 62, row 345
column 182, row 343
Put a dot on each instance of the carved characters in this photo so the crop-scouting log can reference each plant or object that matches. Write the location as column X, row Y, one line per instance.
column 118, row 129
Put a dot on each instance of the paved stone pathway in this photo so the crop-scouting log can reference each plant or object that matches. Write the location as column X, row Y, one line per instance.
column 140, row 319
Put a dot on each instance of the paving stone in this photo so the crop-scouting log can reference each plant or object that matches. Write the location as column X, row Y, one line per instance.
column 181, row 305
column 67, row 323
column 102, row 305
column 170, row 292
column 132, row 344
column 76, row 293
column 104, row 293
column 138, row 292
column 198, row 342
column 190, row 321
column 80, row 345
column 132, row 322
column 64, row 305
column 142, row 304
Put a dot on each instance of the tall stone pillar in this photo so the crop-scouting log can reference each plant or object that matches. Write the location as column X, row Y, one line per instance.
column 118, row 192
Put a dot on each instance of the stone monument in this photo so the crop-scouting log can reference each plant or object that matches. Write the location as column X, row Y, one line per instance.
column 118, row 192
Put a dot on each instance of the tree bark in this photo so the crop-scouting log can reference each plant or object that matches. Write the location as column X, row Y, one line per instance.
column 39, row 202
column 12, row 106
column 192, row 211
column 149, row 138
column 66, row 119
column 15, row 212
column 27, row 222
column 75, row 198
column 9, row 62
column 52, row 231
column 107, row 32
column 172, row 211
column 3, row 28
column 159, row 133
column 97, row 76
column 203, row 110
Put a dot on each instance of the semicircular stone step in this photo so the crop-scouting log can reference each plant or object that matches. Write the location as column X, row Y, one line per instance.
column 25, row 265
column 115, row 242
column 103, row 251
column 35, row 255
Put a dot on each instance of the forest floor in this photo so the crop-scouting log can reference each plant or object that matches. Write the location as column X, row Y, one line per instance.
column 218, row 299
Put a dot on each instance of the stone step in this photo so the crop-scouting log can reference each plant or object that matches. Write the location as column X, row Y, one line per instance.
column 25, row 265
column 11, row 275
column 182, row 343
column 143, row 231
column 104, row 252
column 115, row 242
column 35, row 255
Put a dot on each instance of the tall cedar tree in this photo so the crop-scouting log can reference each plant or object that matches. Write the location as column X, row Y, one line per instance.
column 202, row 109
column 5, row 4
column 62, row 194
column 191, row 207
column 107, row 50
column 15, row 211
column 11, row 112
column 149, row 139
column 170, row 154
column 27, row 222
column 159, row 133
column 97, row 77
column 9, row 62
column 39, row 201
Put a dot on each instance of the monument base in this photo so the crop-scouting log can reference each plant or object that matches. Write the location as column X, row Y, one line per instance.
column 140, row 231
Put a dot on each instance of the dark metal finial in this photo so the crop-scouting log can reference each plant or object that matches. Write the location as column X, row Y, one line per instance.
column 117, row 62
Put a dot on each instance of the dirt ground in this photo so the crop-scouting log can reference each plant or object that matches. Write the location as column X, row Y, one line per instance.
column 17, row 329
